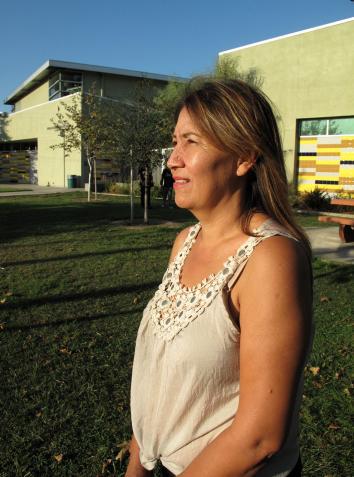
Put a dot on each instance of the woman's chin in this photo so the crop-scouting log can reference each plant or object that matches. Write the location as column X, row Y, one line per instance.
column 183, row 204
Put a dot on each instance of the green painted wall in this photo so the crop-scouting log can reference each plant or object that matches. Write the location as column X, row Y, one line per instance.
column 33, row 123
column 308, row 75
column 37, row 96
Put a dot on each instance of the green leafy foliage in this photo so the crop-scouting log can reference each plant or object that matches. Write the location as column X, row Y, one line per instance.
column 228, row 67
column 91, row 123
column 316, row 199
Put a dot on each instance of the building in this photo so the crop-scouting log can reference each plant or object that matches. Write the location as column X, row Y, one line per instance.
column 26, row 133
column 309, row 76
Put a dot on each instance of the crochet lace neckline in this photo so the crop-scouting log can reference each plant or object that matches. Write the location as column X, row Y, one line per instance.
column 191, row 239
column 174, row 305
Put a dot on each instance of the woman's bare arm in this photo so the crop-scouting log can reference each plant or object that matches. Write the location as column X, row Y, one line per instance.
column 274, row 299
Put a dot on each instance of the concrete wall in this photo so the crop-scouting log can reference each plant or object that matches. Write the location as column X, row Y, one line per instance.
column 33, row 123
column 308, row 75
column 38, row 96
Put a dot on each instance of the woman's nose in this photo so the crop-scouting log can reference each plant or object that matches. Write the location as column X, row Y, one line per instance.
column 175, row 159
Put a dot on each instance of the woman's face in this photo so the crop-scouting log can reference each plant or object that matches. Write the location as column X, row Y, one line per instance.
column 205, row 177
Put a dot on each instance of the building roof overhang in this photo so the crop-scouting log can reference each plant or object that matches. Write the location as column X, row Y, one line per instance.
column 44, row 71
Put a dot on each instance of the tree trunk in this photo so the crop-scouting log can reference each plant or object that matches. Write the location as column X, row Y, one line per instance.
column 95, row 176
column 89, row 162
column 146, row 213
column 131, row 188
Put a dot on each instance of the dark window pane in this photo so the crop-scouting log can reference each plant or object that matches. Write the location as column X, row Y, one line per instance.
column 54, row 79
column 55, row 96
column 70, row 76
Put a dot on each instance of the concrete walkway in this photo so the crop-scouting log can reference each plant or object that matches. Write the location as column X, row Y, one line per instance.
column 324, row 240
column 326, row 244
column 30, row 189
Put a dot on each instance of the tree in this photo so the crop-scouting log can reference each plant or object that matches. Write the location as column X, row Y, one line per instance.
column 142, row 136
column 228, row 67
column 166, row 101
column 88, row 122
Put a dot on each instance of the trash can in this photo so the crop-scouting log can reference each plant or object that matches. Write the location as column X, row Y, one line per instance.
column 71, row 182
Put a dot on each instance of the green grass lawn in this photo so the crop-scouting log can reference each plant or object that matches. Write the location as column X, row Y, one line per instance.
column 12, row 189
column 73, row 284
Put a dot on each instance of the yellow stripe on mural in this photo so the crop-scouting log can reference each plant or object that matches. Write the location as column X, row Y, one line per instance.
column 346, row 173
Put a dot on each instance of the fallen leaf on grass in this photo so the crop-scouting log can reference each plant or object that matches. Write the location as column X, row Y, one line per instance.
column 58, row 458
column 136, row 300
column 314, row 370
column 64, row 350
column 124, row 448
column 324, row 299
column 8, row 293
column 2, row 326
column 333, row 426
column 339, row 374
column 2, row 301
column 106, row 464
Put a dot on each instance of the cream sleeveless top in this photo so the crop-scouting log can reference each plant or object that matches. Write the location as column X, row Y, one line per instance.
column 185, row 382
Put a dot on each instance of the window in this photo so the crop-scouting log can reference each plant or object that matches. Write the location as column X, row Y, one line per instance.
column 341, row 126
column 64, row 83
column 326, row 127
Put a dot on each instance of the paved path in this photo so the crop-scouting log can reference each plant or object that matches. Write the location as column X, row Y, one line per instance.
column 326, row 244
column 324, row 240
column 34, row 190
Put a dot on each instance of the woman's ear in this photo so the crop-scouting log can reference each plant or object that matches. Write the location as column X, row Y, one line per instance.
column 244, row 165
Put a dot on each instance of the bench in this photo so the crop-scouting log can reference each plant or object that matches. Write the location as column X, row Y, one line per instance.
column 345, row 221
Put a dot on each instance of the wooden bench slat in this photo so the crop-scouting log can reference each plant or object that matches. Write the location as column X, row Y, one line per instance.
column 336, row 220
column 342, row 202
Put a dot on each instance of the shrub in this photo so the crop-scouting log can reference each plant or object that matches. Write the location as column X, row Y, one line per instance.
column 316, row 199
column 121, row 187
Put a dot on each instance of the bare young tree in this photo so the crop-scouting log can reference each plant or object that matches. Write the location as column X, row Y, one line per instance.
column 88, row 122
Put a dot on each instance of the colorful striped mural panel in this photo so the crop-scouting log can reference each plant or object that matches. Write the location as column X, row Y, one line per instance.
column 327, row 163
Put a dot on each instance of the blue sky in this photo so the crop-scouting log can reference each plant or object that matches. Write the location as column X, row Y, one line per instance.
column 160, row 36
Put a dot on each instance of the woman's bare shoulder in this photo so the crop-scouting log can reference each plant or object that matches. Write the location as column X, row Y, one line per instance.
column 278, row 254
column 278, row 262
column 178, row 243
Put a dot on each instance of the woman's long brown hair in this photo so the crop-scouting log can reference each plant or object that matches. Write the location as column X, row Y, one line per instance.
column 239, row 119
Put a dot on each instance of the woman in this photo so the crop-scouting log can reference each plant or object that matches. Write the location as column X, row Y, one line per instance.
column 220, row 350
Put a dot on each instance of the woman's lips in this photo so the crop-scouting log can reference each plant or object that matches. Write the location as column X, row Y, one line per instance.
column 180, row 182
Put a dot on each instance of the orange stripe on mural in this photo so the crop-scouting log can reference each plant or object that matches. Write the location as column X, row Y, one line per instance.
column 330, row 153
column 327, row 168
column 304, row 163
column 325, row 146
column 347, row 143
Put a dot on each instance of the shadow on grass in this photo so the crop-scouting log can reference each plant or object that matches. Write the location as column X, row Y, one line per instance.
column 85, row 255
column 77, row 320
column 91, row 294
column 341, row 274
column 26, row 216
